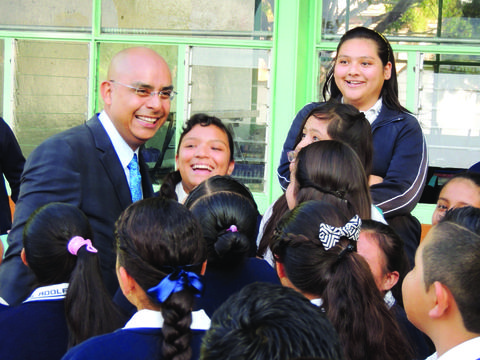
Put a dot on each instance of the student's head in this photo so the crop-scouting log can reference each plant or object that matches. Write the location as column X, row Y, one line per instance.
column 383, row 249
column 132, row 97
column 462, row 189
column 205, row 149
column 363, row 70
column 446, row 275
column 315, row 252
column 266, row 321
column 337, row 121
column 159, row 240
column 46, row 236
column 228, row 215
column 329, row 170
column 297, row 247
column 59, row 248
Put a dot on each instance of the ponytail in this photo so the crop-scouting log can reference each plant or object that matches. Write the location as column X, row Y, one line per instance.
column 89, row 308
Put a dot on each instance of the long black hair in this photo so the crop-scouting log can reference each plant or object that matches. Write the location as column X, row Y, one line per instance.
column 341, row 278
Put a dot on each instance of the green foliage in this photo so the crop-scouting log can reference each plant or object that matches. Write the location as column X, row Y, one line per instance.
column 422, row 18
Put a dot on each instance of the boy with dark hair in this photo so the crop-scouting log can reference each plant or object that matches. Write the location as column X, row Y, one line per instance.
column 441, row 294
column 267, row 321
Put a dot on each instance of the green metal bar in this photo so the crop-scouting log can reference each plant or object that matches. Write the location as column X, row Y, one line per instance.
column 411, row 90
column 181, row 85
column 286, row 82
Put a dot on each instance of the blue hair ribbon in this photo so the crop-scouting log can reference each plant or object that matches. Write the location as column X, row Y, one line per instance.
column 175, row 282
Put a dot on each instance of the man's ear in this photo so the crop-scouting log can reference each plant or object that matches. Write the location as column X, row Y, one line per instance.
column 390, row 280
column 106, row 92
column 442, row 297
column 23, row 256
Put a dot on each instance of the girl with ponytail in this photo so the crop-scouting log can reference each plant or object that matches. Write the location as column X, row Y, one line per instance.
column 315, row 251
column 70, row 303
column 161, row 256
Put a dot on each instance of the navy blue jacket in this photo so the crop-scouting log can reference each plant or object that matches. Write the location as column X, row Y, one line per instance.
column 131, row 344
column 399, row 157
column 34, row 330
column 11, row 165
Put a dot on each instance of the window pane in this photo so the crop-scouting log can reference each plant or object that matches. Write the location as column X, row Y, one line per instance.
column 236, row 18
column 458, row 20
column 232, row 84
column 159, row 151
column 47, row 14
column 51, row 89
column 449, row 109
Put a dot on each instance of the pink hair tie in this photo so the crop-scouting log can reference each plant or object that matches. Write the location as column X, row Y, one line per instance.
column 77, row 242
column 232, row 228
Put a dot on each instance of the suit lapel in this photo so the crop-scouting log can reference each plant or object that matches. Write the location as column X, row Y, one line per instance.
column 146, row 181
column 109, row 159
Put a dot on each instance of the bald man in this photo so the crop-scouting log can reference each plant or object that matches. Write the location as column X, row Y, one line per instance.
column 87, row 166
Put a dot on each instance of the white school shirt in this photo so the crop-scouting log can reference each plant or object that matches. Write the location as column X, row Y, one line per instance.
column 468, row 350
column 146, row 318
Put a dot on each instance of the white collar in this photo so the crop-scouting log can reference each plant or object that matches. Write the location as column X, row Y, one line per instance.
column 318, row 302
column 50, row 292
column 181, row 193
column 372, row 113
column 123, row 150
column 468, row 350
column 3, row 302
column 146, row 318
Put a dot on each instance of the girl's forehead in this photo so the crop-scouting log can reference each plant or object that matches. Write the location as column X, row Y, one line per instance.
column 358, row 46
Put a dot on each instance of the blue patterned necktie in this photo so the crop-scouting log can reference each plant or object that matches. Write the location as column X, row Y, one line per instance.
column 135, row 179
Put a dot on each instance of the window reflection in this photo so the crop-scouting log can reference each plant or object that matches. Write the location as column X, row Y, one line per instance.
column 232, row 84
column 220, row 18
column 426, row 18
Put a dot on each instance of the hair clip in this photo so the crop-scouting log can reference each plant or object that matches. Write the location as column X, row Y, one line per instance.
column 330, row 235
column 232, row 228
column 77, row 242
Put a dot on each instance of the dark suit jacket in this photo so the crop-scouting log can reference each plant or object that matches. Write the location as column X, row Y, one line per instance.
column 78, row 166
column 11, row 165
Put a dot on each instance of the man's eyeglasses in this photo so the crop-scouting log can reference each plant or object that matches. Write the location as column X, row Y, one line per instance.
column 167, row 94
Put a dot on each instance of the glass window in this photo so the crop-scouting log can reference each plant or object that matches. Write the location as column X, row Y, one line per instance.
column 159, row 151
column 51, row 89
column 458, row 19
column 52, row 15
column 449, row 107
column 236, row 18
column 233, row 85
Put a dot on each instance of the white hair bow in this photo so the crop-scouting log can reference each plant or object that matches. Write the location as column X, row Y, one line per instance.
column 330, row 235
